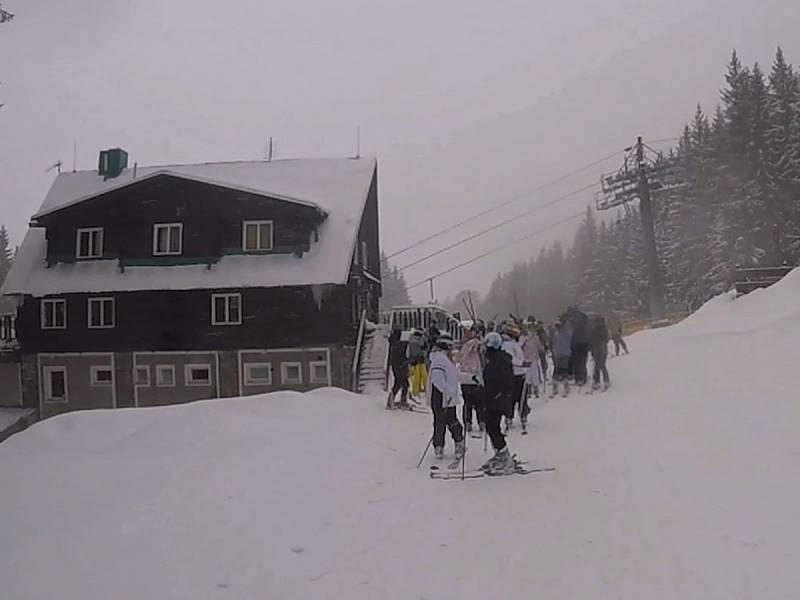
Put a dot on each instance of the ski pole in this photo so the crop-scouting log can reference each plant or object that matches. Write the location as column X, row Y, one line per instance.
column 428, row 447
column 464, row 456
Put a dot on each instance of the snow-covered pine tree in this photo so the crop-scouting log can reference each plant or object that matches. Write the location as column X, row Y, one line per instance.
column 393, row 282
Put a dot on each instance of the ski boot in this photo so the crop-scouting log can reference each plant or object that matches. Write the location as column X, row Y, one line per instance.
column 554, row 393
column 489, row 464
column 468, row 427
column 438, row 452
column 503, row 465
column 606, row 385
column 566, row 389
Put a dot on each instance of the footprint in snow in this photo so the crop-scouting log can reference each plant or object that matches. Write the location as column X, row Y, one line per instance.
column 298, row 549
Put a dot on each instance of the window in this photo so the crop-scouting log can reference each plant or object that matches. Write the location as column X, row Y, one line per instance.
column 167, row 239
column 101, row 376
column 318, row 372
column 142, row 376
column 226, row 309
column 55, row 384
column 291, row 373
column 198, row 374
column 54, row 314
column 364, row 255
column 256, row 236
column 165, row 375
column 257, row 374
column 89, row 243
column 101, row 313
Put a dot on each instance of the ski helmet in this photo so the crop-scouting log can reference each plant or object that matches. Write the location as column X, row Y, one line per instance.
column 444, row 341
column 493, row 340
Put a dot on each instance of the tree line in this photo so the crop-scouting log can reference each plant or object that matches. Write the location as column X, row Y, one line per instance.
column 737, row 204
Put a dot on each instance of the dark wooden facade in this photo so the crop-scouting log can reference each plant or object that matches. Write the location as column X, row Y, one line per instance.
column 181, row 320
column 211, row 216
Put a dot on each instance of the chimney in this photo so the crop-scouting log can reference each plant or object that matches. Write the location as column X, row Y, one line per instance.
column 112, row 162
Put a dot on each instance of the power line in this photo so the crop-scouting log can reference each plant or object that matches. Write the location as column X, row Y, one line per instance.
column 513, row 199
column 498, row 226
column 497, row 249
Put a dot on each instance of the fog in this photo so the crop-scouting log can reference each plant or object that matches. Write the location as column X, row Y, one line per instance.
column 465, row 104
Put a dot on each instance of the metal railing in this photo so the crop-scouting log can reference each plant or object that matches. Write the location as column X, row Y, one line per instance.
column 358, row 352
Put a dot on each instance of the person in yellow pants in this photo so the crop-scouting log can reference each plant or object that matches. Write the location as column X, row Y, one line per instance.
column 419, row 378
column 416, row 358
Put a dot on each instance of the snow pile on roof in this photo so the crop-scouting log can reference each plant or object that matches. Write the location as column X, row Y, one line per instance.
column 680, row 482
column 338, row 187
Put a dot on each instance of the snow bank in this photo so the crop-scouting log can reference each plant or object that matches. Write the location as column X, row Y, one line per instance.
column 683, row 481
column 761, row 308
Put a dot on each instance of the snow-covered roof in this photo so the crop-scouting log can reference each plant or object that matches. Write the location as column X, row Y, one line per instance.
column 338, row 187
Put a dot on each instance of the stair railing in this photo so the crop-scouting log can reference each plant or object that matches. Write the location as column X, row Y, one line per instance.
column 358, row 355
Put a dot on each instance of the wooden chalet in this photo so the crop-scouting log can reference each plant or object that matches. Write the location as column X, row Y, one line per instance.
column 148, row 286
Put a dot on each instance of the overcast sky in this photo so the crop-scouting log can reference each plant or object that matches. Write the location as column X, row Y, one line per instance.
column 464, row 103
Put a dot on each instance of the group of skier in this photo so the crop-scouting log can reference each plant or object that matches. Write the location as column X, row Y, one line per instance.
column 496, row 370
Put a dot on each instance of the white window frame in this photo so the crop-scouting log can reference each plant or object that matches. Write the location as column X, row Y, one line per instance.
column 227, row 297
column 284, row 369
column 94, row 381
column 168, row 227
column 90, row 231
column 141, row 369
column 250, row 381
column 159, row 382
column 189, row 380
column 101, row 300
column 259, row 241
column 317, row 363
column 54, row 301
column 48, row 385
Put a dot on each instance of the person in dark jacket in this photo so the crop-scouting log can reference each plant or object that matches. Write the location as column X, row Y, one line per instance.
column 399, row 365
column 599, row 343
column 498, row 387
column 580, row 344
column 619, row 341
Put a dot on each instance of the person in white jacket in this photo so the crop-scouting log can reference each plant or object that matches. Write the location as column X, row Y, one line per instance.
column 512, row 347
column 443, row 381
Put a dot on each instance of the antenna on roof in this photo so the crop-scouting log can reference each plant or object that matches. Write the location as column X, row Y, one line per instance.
column 74, row 154
column 358, row 141
column 269, row 155
column 57, row 165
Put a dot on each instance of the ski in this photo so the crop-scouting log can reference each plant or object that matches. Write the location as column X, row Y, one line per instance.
column 478, row 474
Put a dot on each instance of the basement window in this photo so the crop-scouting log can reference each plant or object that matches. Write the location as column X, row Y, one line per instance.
column 167, row 239
column 198, row 374
column 142, row 376
column 257, row 236
column 101, row 376
column 89, row 243
column 291, row 373
column 165, row 375
column 257, row 374
column 54, row 314
column 319, row 372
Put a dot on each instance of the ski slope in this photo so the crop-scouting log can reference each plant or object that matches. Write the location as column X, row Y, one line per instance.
column 683, row 481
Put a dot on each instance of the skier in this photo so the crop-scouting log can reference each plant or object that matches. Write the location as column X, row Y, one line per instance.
column 469, row 361
column 531, row 349
column 580, row 343
column 562, row 349
column 619, row 342
column 399, row 365
column 444, row 398
column 498, row 382
column 599, row 341
column 544, row 346
column 510, row 334
column 416, row 358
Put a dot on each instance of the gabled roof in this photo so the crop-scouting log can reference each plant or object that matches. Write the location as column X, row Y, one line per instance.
column 312, row 182
column 338, row 187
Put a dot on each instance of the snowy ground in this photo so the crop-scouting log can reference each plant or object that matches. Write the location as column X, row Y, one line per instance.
column 683, row 481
